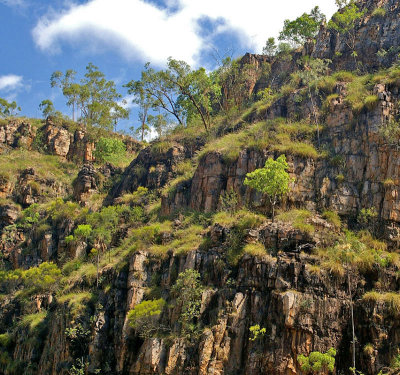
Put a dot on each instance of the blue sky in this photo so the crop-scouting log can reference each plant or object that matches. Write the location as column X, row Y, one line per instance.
column 38, row 37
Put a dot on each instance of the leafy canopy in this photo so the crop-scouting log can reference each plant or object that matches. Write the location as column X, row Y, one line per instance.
column 272, row 180
column 303, row 28
column 95, row 97
column 317, row 363
column 8, row 109
column 109, row 150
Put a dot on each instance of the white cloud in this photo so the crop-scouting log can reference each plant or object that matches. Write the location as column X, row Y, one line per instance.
column 140, row 30
column 10, row 82
column 151, row 134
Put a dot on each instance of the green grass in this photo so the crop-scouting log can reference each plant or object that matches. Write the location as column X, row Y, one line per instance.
column 33, row 321
column 357, row 252
column 378, row 12
column 391, row 299
column 294, row 138
column 333, row 218
column 242, row 218
column 255, row 249
column 298, row 218
column 46, row 166
column 76, row 302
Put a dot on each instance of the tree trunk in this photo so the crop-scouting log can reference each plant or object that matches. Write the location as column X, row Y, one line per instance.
column 352, row 320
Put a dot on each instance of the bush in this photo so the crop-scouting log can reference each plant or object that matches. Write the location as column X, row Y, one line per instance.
column 317, row 362
column 111, row 150
column 378, row 12
column 144, row 316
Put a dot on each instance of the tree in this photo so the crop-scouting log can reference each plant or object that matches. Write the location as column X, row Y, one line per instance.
column 109, row 150
column 188, row 291
column 8, row 109
column 318, row 363
column 144, row 100
column 343, row 22
column 144, row 317
column 70, row 88
column 47, row 108
column 270, row 48
column 272, row 180
column 303, row 28
column 313, row 69
column 97, row 98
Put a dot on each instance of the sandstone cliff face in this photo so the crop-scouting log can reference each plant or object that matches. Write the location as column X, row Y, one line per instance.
column 367, row 160
column 301, row 310
column 373, row 34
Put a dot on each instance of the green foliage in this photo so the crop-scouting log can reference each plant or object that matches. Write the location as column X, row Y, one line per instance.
column 272, row 180
column 8, row 109
column 303, row 28
column 356, row 252
column 33, row 321
column 390, row 132
column 144, row 317
column 229, row 201
column 317, row 363
column 110, row 150
column 391, row 299
column 378, row 12
column 5, row 340
column 188, row 291
column 96, row 97
column 47, row 108
column 83, row 231
column 77, row 302
column 257, row 332
column 43, row 278
column 270, row 48
column 344, row 21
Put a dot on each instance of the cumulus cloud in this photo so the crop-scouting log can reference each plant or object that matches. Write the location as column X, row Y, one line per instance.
column 10, row 82
column 145, row 31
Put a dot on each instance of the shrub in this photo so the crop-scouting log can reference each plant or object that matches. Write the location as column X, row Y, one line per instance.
column 188, row 292
column 144, row 316
column 378, row 12
column 257, row 332
column 317, row 362
column 43, row 278
column 110, row 150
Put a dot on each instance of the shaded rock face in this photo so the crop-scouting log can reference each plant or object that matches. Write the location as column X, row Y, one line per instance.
column 302, row 311
column 373, row 34
column 8, row 215
column 31, row 188
column 86, row 183
column 150, row 169
column 350, row 179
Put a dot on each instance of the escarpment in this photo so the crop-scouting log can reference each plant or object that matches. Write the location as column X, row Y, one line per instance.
column 164, row 261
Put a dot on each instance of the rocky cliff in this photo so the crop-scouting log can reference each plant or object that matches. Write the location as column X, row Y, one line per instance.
column 172, row 265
